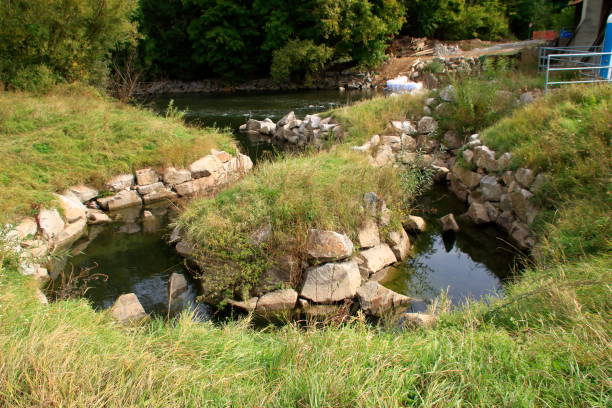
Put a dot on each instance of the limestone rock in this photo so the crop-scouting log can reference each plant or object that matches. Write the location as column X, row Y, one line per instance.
column 247, row 305
column 146, row 176
column 400, row 244
column 478, row 213
column 331, row 282
column 418, row 319
column 198, row 186
column 244, row 162
column 485, row 158
column 278, row 300
column 458, row 188
column 205, row 166
column 409, row 143
column 394, row 142
column 70, row 234
column 51, row 224
column 71, row 206
column 522, row 205
column 123, row 199
column 521, row 235
column 328, row 245
column 40, row 296
column 177, row 285
column 451, row 140
column 160, row 195
column 288, row 118
column 448, row 94
column 224, row 156
column 84, row 193
column 415, row 224
column 468, row 156
column 375, row 299
column 504, row 161
column 173, row 176
column 368, row 234
column 95, row 217
column 128, row 310
column 184, row 249
column 470, row 179
column 150, row 188
column 120, row 182
column 524, row 177
column 26, row 228
column 384, row 156
column 253, row 125
column 449, row 223
column 374, row 259
column 491, row 190
column 427, row 124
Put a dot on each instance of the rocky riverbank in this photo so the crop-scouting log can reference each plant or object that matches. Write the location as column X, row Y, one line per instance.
column 54, row 230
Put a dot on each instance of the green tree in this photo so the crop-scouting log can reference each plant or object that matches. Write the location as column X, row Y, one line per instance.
column 68, row 39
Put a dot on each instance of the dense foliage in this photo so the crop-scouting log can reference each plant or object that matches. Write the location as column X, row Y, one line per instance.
column 45, row 40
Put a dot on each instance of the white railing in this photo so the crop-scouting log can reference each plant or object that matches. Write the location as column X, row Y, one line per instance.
column 589, row 65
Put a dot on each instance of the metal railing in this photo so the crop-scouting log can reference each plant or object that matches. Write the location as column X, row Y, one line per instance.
column 588, row 64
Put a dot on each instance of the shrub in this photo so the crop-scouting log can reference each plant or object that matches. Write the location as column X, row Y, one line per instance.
column 37, row 79
column 71, row 38
column 299, row 59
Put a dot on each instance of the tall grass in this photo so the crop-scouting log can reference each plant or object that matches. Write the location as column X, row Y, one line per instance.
column 74, row 134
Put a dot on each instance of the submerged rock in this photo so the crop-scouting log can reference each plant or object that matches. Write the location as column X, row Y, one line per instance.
column 177, row 285
column 375, row 299
column 128, row 310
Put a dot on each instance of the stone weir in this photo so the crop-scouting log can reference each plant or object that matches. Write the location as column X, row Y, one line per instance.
column 475, row 173
column 289, row 130
column 53, row 232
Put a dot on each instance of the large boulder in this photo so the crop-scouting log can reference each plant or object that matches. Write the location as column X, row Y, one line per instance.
column 427, row 124
column 205, row 166
column 248, row 305
column 490, row 188
column 485, row 158
column 84, row 193
column 525, row 210
column 375, row 299
column 469, row 178
column 177, row 285
column 524, row 177
column 123, row 199
column 279, row 300
column 400, row 244
column 72, row 208
column 415, row 224
column 128, row 310
column 449, row 223
column 51, row 224
column 120, row 182
column 374, row 259
column 288, row 118
column 146, row 176
column 176, row 176
column 70, row 234
column 384, row 156
column 331, row 282
column 328, row 245
column 478, row 213
column 368, row 234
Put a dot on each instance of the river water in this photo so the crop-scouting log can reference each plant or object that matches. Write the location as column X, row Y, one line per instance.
column 132, row 255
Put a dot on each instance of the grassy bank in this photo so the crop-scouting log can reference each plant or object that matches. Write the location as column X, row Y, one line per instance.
column 545, row 343
column 74, row 134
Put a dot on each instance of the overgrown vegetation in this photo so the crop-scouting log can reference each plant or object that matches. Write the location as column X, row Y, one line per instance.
column 323, row 190
column 75, row 134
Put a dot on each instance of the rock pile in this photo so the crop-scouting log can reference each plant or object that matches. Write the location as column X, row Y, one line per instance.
column 311, row 131
column 482, row 177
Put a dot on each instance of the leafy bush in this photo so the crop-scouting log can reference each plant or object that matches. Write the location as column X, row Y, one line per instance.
column 37, row 79
column 456, row 19
column 299, row 58
column 69, row 39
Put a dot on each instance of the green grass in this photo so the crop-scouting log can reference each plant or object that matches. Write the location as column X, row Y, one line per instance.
column 74, row 134
column 314, row 190
column 566, row 135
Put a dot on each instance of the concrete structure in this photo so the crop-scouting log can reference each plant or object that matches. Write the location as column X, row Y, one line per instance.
column 591, row 23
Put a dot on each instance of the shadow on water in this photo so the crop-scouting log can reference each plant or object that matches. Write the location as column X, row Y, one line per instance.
column 470, row 264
